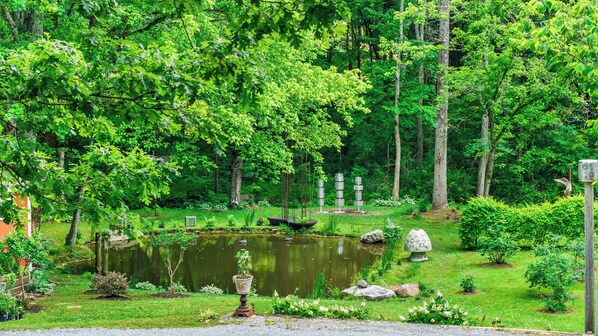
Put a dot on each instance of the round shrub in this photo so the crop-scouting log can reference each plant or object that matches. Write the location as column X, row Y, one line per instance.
column 111, row 284
column 467, row 284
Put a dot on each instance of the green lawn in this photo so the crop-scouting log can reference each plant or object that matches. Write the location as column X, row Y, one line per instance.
column 505, row 294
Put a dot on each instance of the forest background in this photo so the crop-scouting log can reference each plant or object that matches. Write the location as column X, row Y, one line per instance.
column 110, row 105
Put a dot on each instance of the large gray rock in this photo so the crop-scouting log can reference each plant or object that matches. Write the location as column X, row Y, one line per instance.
column 374, row 237
column 406, row 290
column 372, row 292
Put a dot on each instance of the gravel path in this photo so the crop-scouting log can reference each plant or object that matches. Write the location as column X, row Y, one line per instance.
column 289, row 326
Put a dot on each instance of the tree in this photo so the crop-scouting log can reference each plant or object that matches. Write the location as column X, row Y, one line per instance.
column 439, row 195
column 169, row 244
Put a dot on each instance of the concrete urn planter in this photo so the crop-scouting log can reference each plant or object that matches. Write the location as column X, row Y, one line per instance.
column 418, row 243
column 243, row 283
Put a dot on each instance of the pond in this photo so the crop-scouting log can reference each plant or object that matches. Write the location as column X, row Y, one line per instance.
column 285, row 266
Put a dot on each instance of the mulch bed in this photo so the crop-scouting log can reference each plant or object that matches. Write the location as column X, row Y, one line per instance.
column 168, row 295
column 35, row 309
column 475, row 292
column 114, row 298
column 493, row 265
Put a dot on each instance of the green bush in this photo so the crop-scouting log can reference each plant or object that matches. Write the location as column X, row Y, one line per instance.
column 111, row 284
column 319, row 286
column 146, row 285
column 211, row 289
column 40, row 283
column 331, row 225
column 554, row 271
column 498, row 246
column 292, row 305
column 467, row 284
column 530, row 224
column 437, row 311
column 7, row 303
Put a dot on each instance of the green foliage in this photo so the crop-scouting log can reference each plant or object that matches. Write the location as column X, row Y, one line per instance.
column 17, row 246
column 41, row 283
column 211, row 289
column 498, row 246
column 111, row 284
column 178, row 287
column 8, row 303
column 319, row 289
column 168, row 243
column 406, row 200
column 210, row 222
column 292, row 305
column 467, row 284
column 232, row 222
column 331, row 225
column 425, row 291
column 554, row 271
column 485, row 217
column 248, row 217
column 438, row 311
column 244, row 262
column 392, row 232
column 145, row 285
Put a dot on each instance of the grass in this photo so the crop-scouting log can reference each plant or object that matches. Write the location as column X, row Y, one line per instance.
column 505, row 294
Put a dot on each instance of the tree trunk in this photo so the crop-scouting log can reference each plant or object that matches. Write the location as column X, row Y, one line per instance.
column 421, row 77
column 71, row 237
column 439, row 195
column 489, row 171
column 236, row 175
column 483, row 163
column 61, row 152
column 397, row 172
column 217, row 175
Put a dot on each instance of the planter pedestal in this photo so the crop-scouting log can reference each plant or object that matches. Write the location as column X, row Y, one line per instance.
column 243, row 310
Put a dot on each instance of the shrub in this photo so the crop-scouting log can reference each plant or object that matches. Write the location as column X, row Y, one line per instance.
column 41, row 283
column 498, row 246
column 331, row 226
column 437, row 311
column 232, row 222
column 467, row 284
column 7, row 303
column 249, row 217
column 554, row 271
column 392, row 232
column 532, row 224
column 211, row 289
column 179, row 287
column 425, row 291
column 264, row 204
column 111, row 284
column 260, row 221
column 210, row 221
column 394, row 203
column 146, row 285
column 292, row 305
column 208, row 315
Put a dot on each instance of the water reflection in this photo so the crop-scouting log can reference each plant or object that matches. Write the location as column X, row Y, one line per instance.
column 284, row 266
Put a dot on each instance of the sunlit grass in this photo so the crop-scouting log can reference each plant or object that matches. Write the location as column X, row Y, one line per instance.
column 505, row 294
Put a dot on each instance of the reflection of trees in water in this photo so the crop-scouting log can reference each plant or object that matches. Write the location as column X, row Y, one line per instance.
column 278, row 265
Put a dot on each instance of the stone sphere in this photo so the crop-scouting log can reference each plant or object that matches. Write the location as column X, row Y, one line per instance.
column 418, row 241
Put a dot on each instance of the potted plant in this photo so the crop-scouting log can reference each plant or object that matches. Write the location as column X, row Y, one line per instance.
column 243, row 278
column 7, row 305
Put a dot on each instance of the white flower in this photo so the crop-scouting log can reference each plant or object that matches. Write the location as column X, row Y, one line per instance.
column 310, row 313
column 432, row 321
column 363, row 303
column 323, row 309
column 275, row 293
column 401, row 318
column 447, row 313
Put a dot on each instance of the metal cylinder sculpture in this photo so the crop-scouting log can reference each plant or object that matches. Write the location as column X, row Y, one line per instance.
column 588, row 173
column 358, row 191
column 339, row 186
column 321, row 195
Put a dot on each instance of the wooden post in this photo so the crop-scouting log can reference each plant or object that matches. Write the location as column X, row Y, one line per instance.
column 589, row 251
column 104, row 255
column 98, row 253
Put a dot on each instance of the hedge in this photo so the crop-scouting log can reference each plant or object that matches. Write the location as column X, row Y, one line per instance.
column 529, row 225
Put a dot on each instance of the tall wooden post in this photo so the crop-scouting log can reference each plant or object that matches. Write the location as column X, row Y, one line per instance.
column 104, row 255
column 588, row 173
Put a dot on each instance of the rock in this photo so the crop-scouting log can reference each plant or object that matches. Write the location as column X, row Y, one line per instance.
column 376, row 236
column 362, row 284
column 405, row 290
column 373, row 293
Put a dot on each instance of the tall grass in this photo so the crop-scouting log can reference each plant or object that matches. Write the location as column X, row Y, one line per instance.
column 319, row 286
column 331, row 227
column 249, row 216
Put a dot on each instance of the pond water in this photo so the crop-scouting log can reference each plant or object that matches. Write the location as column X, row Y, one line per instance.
column 285, row 266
